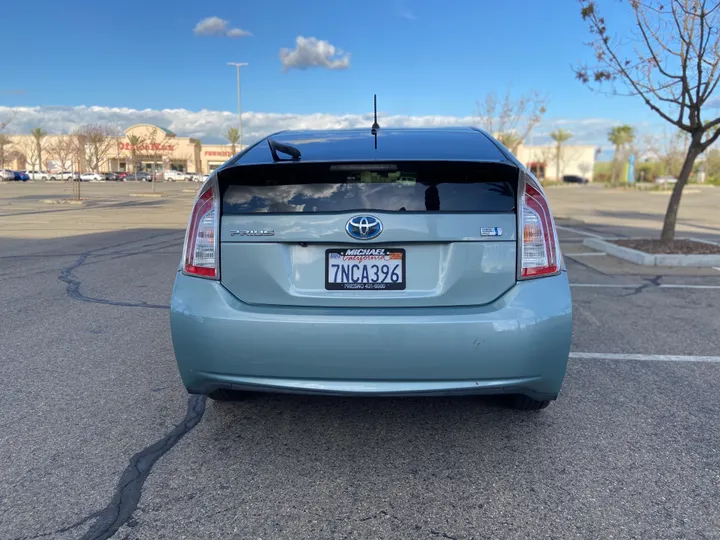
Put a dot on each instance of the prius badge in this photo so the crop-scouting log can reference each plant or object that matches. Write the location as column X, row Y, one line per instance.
column 252, row 233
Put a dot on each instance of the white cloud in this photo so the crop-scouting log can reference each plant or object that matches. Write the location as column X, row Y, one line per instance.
column 215, row 26
column 405, row 11
column 313, row 52
column 209, row 126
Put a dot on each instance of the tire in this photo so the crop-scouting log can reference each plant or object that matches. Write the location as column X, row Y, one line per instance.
column 223, row 394
column 524, row 403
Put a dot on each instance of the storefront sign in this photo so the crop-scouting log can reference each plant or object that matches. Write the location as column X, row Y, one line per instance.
column 218, row 154
column 154, row 147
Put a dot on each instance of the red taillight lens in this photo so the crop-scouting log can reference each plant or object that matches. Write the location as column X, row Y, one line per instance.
column 200, row 251
column 540, row 252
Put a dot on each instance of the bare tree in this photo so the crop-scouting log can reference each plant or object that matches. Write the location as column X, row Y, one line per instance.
column 158, row 146
column 560, row 136
column 673, row 65
column 584, row 168
column 511, row 119
column 28, row 149
column 6, row 144
column 668, row 150
column 5, row 121
column 62, row 150
column 97, row 141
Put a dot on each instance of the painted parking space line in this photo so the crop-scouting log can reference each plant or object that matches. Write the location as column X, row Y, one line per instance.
column 585, row 233
column 587, row 254
column 576, row 231
column 644, row 357
column 647, row 285
column 680, row 286
column 609, row 285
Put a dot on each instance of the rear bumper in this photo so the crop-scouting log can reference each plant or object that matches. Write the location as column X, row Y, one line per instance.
column 518, row 344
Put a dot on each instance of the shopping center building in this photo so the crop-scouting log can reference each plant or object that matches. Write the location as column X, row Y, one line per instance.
column 142, row 147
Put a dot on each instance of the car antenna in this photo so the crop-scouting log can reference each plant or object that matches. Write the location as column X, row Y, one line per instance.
column 375, row 125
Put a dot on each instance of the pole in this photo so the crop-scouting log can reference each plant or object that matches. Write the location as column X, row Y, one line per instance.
column 238, row 65
column 239, row 108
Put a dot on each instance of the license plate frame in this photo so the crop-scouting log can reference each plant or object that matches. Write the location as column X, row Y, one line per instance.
column 371, row 286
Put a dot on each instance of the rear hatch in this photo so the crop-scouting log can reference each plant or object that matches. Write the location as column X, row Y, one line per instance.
column 401, row 234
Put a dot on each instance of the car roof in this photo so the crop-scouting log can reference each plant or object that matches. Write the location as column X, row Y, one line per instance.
column 393, row 144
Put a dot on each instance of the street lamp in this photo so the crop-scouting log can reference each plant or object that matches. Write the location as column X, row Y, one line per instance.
column 238, row 66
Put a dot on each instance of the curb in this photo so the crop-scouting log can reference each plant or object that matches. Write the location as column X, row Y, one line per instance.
column 653, row 259
column 64, row 201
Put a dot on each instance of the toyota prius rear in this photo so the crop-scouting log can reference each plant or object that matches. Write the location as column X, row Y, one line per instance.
column 393, row 262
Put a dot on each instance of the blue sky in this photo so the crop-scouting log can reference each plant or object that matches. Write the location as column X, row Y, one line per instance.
column 421, row 57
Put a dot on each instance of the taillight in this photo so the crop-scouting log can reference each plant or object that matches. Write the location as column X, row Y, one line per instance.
column 200, row 253
column 540, row 252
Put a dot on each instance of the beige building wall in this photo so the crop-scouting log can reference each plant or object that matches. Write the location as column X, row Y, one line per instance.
column 574, row 159
column 143, row 147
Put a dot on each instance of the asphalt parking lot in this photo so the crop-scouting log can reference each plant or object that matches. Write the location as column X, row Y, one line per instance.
column 100, row 440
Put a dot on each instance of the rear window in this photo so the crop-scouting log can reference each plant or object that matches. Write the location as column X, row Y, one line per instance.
column 402, row 187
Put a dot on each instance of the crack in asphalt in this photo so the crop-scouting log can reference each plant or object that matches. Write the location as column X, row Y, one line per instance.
column 653, row 282
column 129, row 488
column 73, row 288
column 73, row 282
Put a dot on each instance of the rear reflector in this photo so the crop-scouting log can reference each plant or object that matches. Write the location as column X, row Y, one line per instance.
column 540, row 254
column 200, row 251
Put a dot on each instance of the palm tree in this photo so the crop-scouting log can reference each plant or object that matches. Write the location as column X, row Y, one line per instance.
column 39, row 134
column 621, row 137
column 233, row 136
column 197, row 150
column 560, row 136
column 134, row 141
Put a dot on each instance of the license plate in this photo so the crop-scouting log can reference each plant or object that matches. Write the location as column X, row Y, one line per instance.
column 367, row 269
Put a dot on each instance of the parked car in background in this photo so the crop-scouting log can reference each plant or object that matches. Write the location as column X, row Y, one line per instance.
column 39, row 175
column 139, row 177
column 68, row 175
column 92, row 177
column 175, row 176
column 7, row 175
column 347, row 293
column 204, row 177
column 120, row 175
column 662, row 180
column 111, row 177
column 574, row 179
column 21, row 176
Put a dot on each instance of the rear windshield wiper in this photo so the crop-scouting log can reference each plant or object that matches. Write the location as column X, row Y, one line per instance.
column 291, row 151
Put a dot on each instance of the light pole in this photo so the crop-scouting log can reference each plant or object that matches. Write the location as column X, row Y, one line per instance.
column 238, row 66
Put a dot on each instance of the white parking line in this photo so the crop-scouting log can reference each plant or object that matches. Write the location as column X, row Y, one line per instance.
column 636, row 285
column 587, row 254
column 608, row 285
column 643, row 357
column 673, row 286
column 572, row 229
